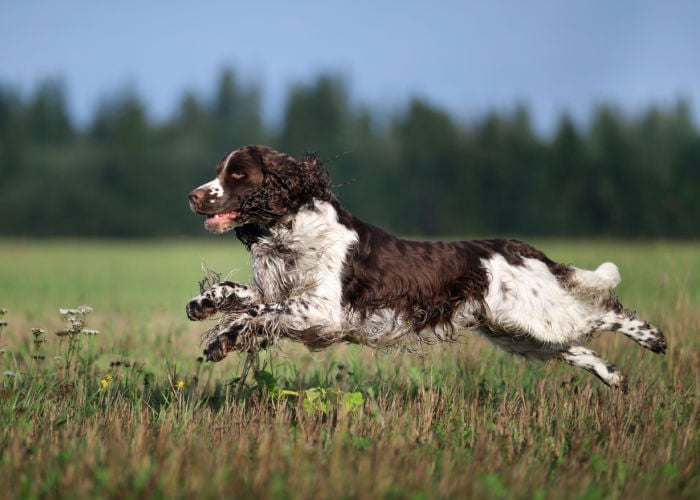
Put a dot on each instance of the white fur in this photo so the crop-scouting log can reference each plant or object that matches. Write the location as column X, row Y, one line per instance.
column 528, row 299
column 318, row 244
column 382, row 328
column 589, row 360
column 214, row 190
column 297, row 277
column 604, row 278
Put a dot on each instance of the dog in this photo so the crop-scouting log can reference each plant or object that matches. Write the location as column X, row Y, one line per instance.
column 323, row 276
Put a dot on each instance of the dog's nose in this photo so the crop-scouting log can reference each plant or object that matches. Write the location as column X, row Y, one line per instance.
column 196, row 197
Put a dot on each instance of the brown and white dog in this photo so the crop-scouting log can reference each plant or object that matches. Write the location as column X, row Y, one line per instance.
column 323, row 276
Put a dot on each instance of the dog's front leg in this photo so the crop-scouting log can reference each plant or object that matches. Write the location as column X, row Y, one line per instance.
column 222, row 297
column 296, row 318
column 223, row 343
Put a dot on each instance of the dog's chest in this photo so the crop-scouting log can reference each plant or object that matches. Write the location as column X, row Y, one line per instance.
column 277, row 270
column 304, row 257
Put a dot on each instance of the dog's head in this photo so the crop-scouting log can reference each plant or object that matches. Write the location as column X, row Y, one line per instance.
column 258, row 185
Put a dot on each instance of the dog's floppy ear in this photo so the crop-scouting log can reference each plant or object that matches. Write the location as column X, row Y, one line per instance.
column 282, row 174
column 316, row 179
column 287, row 184
column 301, row 181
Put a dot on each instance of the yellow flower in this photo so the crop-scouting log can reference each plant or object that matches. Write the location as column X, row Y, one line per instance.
column 180, row 384
column 106, row 381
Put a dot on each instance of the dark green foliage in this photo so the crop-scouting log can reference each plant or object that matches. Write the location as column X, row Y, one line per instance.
column 420, row 172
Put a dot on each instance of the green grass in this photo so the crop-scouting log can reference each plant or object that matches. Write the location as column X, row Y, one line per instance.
column 463, row 420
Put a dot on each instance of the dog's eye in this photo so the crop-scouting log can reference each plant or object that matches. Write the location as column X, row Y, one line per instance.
column 238, row 175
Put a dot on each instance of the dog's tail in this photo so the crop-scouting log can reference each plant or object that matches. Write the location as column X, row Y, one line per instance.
column 603, row 279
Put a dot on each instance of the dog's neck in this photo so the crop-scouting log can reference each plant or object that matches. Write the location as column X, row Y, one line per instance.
column 249, row 234
column 313, row 218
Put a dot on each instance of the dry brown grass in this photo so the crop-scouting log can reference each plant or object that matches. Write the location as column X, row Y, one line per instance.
column 462, row 421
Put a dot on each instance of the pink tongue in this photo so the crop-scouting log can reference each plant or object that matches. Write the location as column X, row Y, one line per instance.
column 229, row 215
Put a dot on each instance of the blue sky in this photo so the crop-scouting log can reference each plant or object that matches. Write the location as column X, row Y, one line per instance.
column 467, row 57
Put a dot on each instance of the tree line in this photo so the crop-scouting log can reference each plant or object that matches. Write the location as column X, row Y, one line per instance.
column 420, row 173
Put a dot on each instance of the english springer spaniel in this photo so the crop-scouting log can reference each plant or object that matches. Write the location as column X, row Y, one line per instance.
column 323, row 276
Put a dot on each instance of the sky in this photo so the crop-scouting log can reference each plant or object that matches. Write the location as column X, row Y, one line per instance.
column 467, row 57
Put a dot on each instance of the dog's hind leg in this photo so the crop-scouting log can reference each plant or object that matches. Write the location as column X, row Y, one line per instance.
column 616, row 318
column 642, row 332
column 589, row 360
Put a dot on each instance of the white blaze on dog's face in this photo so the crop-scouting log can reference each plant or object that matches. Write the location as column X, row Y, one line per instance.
column 238, row 175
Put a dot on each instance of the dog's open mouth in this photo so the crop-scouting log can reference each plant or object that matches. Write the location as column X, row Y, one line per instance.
column 219, row 223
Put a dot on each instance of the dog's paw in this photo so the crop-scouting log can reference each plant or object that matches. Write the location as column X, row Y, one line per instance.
column 215, row 352
column 223, row 344
column 658, row 344
column 200, row 308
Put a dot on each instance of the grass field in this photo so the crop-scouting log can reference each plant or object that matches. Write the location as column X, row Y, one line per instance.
column 133, row 412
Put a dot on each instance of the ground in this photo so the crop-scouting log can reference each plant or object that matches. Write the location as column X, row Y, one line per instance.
column 133, row 409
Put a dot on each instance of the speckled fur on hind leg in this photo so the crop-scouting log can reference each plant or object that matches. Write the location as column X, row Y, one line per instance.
column 618, row 319
column 589, row 360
